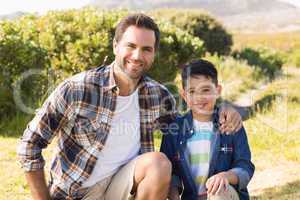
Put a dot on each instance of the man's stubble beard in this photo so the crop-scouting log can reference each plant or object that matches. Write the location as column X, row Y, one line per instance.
column 122, row 63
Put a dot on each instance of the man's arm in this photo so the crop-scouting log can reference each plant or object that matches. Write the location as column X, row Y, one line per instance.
column 230, row 119
column 38, row 134
column 37, row 184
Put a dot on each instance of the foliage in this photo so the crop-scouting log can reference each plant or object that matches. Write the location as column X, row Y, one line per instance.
column 268, row 60
column 18, row 56
column 283, row 41
column 294, row 57
column 199, row 24
column 176, row 48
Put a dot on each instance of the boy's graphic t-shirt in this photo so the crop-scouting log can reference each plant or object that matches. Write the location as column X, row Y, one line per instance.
column 198, row 147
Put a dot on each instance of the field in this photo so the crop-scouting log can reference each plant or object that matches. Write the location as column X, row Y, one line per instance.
column 283, row 41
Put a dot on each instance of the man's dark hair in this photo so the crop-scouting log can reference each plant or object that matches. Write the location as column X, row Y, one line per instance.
column 139, row 20
column 199, row 67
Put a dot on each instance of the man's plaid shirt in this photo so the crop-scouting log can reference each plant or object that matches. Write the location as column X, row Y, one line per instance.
column 79, row 112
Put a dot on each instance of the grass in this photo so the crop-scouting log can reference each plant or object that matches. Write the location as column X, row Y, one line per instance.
column 286, row 192
column 281, row 41
column 288, row 43
column 274, row 129
column 13, row 127
column 13, row 185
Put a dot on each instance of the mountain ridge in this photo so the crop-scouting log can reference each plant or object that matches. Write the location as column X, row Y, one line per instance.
column 216, row 7
column 241, row 15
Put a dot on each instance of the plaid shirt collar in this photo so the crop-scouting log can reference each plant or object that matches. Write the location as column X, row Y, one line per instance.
column 109, row 82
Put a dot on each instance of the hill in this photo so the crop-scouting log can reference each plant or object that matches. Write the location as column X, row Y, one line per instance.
column 241, row 15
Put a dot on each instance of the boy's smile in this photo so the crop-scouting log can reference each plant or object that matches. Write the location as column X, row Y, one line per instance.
column 200, row 95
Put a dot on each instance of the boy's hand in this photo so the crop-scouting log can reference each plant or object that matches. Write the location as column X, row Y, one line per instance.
column 230, row 120
column 217, row 184
column 173, row 194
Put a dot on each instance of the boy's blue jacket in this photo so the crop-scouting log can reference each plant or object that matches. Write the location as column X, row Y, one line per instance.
column 227, row 152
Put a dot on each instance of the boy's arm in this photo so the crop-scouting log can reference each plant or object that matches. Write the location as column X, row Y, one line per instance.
column 242, row 165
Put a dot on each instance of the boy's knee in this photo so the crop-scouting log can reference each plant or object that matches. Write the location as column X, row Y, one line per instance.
column 230, row 194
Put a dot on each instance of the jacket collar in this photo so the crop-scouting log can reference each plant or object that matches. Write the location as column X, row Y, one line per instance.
column 188, row 127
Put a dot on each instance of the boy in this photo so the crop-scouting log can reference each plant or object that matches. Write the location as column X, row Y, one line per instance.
column 207, row 164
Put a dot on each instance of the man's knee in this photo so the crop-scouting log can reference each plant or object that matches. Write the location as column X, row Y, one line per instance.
column 160, row 167
column 160, row 162
column 155, row 164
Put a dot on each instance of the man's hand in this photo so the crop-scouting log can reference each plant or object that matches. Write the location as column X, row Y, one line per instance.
column 173, row 194
column 230, row 120
column 37, row 184
column 219, row 182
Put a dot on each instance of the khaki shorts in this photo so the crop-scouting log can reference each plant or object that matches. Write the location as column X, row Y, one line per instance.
column 114, row 187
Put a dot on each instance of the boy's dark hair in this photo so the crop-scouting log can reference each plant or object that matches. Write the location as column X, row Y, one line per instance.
column 199, row 67
column 139, row 20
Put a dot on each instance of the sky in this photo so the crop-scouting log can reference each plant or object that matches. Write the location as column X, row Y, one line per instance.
column 294, row 2
column 42, row 6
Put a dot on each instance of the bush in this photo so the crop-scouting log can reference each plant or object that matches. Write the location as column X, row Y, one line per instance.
column 176, row 48
column 199, row 24
column 295, row 57
column 63, row 43
column 267, row 60
column 17, row 56
column 77, row 40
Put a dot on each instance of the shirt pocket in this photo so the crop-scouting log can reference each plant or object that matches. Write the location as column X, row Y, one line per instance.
column 85, row 127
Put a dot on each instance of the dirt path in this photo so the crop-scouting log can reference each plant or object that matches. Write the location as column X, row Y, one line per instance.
column 268, row 174
column 274, row 176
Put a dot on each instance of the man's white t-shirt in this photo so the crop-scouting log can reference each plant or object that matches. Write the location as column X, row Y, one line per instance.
column 123, row 141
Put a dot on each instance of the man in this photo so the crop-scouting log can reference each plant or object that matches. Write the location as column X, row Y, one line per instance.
column 104, row 119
